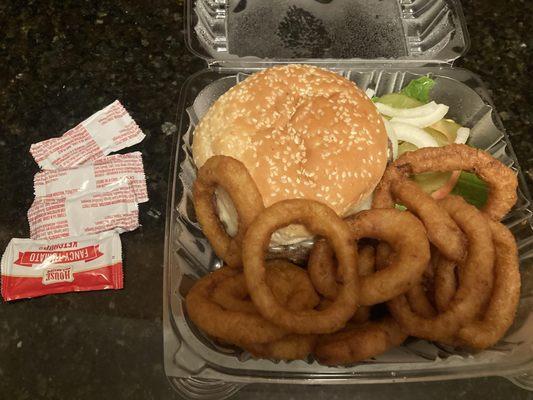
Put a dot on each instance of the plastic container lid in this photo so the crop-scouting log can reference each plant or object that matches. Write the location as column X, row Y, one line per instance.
column 243, row 32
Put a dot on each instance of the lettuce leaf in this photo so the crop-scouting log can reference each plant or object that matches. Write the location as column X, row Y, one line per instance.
column 419, row 89
column 472, row 189
column 400, row 207
column 398, row 100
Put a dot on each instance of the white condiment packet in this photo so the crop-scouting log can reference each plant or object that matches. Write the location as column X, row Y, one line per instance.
column 108, row 130
column 111, row 208
column 98, row 174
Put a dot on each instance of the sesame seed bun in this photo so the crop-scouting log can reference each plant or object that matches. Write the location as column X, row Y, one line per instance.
column 302, row 132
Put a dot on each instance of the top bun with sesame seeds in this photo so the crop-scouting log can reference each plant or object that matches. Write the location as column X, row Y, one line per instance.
column 302, row 132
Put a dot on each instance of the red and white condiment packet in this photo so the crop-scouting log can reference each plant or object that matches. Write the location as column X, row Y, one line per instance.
column 111, row 208
column 32, row 268
column 99, row 174
column 108, row 130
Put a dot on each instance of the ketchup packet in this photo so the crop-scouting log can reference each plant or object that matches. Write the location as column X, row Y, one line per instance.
column 111, row 208
column 108, row 130
column 99, row 174
column 32, row 268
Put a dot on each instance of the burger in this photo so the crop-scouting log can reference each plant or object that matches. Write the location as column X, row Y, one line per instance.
column 302, row 132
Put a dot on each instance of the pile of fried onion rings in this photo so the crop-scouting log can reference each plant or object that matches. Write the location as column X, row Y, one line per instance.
column 443, row 271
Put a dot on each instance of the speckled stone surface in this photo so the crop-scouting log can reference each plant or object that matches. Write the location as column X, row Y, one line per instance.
column 61, row 60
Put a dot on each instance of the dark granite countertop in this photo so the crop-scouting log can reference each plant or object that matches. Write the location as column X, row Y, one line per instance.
column 62, row 60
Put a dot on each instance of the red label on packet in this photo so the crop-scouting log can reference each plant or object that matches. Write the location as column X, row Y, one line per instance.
column 29, row 258
column 32, row 268
column 108, row 130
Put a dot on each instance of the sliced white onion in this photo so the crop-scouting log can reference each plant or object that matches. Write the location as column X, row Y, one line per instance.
column 226, row 211
column 392, row 137
column 362, row 205
column 413, row 134
column 426, row 120
column 406, row 112
column 462, row 135
column 370, row 92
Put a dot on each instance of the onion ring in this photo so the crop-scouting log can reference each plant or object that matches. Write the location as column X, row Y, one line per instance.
column 383, row 255
column 447, row 188
column 476, row 280
column 229, row 326
column 362, row 314
column 289, row 283
column 367, row 260
column 419, row 302
column 232, row 295
column 318, row 219
column 366, row 265
column 233, row 176
column 403, row 232
column 290, row 347
column 417, row 295
column 501, row 180
column 441, row 230
column 291, row 286
column 321, row 268
column 300, row 293
column 445, row 282
column 501, row 309
column 359, row 342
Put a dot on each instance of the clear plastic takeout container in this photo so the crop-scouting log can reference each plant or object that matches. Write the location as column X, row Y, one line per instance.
column 378, row 44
